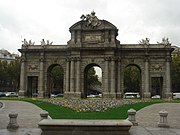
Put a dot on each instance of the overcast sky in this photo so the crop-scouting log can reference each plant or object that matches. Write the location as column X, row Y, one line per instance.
column 51, row 19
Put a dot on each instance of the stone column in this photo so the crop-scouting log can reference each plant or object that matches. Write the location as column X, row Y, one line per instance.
column 168, row 93
column 22, row 91
column 119, row 91
column 106, row 81
column 78, row 79
column 72, row 76
column 113, row 94
column 73, row 37
column 67, row 76
column 112, row 36
column 41, row 79
column 146, row 92
column 78, row 36
column 107, row 36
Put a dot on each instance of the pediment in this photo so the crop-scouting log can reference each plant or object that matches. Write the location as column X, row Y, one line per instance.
column 82, row 25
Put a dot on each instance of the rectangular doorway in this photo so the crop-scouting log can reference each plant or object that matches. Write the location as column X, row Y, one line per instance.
column 32, row 86
column 156, row 86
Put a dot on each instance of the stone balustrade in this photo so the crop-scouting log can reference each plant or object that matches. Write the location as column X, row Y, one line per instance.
column 88, row 127
column 163, row 119
column 132, row 117
column 44, row 114
column 13, row 121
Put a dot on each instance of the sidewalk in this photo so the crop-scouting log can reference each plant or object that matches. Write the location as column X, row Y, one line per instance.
column 28, row 114
column 29, row 117
column 148, row 119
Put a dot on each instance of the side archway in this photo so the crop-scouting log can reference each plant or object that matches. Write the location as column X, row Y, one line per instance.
column 55, row 80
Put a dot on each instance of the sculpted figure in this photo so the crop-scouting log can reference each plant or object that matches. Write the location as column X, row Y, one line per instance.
column 165, row 41
column 31, row 43
column 43, row 42
column 48, row 43
column 25, row 42
column 144, row 41
column 91, row 19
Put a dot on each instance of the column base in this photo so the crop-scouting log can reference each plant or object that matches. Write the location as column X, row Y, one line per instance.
column 22, row 93
column 119, row 95
column 167, row 95
column 163, row 125
column 146, row 95
column 109, row 95
column 106, row 95
column 41, row 94
column 72, row 95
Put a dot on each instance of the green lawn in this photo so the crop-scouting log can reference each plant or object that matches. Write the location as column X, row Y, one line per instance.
column 60, row 112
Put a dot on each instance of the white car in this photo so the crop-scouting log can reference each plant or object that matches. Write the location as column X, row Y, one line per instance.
column 131, row 95
column 156, row 97
column 11, row 94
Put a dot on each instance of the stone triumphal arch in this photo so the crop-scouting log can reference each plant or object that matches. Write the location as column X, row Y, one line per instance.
column 93, row 42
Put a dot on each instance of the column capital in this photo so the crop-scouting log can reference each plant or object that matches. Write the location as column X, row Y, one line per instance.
column 23, row 59
column 113, row 58
column 107, row 58
column 110, row 58
column 41, row 59
column 168, row 59
column 119, row 59
column 146, row 59
column 67, row 59
column 72, row 58
column 78, row 58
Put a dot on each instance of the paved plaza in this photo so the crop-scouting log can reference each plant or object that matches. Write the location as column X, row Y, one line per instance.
column 148, row 117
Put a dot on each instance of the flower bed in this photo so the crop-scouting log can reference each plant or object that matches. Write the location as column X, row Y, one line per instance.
column 94, row 105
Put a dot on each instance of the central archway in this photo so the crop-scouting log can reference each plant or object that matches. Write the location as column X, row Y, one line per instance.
column 92, row 81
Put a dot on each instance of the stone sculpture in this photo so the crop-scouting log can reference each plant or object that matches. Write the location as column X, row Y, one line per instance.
column 144, row 41
column 26, row 43
column 92, row 20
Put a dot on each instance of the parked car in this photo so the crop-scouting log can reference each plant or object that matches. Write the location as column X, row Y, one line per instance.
column 11, row 94
column 94, row 96
column 132, row 95
column 156, row 97
column 57, row 95
column 2, row 94
column 35, row 95
column 176, row 95
column 53, row 95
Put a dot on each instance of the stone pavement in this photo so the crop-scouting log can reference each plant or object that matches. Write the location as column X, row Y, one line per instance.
column 148, row 119
column 28, row 118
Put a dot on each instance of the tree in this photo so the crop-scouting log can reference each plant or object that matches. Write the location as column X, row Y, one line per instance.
column 92, row 78
column 57, row 75
column 9, row 75
column 14, row 73
column 176, row 73
column 132, row 79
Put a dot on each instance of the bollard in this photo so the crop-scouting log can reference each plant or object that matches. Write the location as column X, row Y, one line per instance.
column 163, row 119
column 131, row 116
column 13, row 121
column 44, row 114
